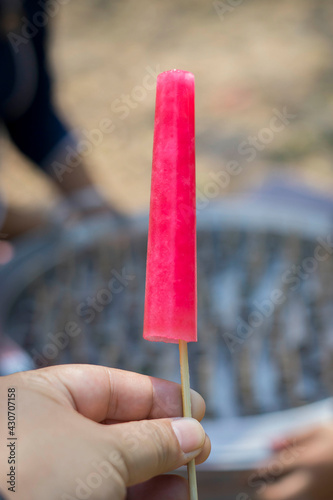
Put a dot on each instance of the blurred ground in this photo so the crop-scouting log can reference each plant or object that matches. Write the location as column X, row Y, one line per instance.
column 248, row 61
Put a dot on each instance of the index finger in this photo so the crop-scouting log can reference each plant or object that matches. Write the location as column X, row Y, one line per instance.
column 100, row 393
column 294, row 439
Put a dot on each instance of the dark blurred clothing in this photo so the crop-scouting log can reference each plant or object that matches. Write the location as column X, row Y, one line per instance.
column 26, row 107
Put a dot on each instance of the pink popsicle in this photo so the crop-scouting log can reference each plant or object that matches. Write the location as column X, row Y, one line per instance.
column 171, row 278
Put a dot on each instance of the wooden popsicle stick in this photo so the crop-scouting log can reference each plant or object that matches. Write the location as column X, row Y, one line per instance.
column 186, row 397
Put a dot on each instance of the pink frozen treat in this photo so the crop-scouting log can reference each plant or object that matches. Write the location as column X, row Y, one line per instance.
column 171, row 279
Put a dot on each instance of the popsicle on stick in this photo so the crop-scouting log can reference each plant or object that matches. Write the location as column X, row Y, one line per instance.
column 171, row 278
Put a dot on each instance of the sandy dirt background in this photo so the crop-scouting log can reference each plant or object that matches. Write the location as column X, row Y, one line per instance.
column 248, row 60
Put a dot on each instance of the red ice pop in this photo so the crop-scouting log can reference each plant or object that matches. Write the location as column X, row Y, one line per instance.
column 171, row 279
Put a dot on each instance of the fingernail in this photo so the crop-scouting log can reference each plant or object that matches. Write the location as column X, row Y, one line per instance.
column 190, row 434
column 198, row 405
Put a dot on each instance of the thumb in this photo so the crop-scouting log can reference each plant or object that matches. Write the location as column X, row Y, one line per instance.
column 151, row 447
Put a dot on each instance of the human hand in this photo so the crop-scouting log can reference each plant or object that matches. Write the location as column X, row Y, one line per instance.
column 301, row 468
column 99, row 433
